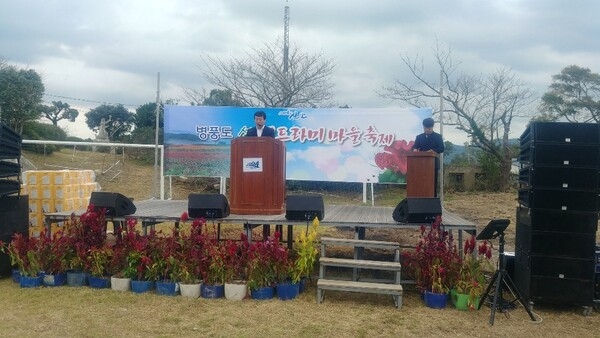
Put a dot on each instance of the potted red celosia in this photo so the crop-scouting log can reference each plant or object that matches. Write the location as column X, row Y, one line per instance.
column 24, row 252
column 471, row 282
column 434, row 263
column 261, row 269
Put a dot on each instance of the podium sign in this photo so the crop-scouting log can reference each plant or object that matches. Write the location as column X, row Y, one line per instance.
column 257, row 176
column 420, row 174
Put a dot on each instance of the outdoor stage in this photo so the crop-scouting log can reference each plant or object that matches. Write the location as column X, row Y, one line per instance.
column 360, row 218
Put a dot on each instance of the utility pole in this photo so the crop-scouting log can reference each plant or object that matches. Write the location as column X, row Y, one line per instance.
column 441, row 173
column 286, row 37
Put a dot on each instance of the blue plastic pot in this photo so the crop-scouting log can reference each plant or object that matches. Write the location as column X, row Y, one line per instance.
column 141, row 286
column 212, row 291
column 262, row 293
column 435, row 300
column 167, row 288
column 286, row 291
column 31, row 282
column 16, row 275
column 77, row 278
column 58, row 279
column 99, row 282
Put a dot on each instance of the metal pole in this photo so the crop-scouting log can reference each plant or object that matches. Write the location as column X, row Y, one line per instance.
column 441, row 173
column 155, row 178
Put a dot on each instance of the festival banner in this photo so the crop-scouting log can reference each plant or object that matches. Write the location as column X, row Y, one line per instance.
column 322, row 144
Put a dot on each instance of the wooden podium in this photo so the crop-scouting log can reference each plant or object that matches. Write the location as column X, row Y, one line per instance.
column 257, row 176
column 420, row 174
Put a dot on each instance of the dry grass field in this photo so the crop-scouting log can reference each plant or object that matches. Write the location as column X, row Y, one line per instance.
column 85, row 312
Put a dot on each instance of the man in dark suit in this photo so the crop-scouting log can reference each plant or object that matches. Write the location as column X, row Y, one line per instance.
column 260, row 118
column 430, row 141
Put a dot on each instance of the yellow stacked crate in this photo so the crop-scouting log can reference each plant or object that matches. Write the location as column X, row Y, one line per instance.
column 56, row 191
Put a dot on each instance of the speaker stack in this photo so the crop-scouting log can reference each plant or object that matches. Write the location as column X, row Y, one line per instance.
column 557, row 217
column 14, row 208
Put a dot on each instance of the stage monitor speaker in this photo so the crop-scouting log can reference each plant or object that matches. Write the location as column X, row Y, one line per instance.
column 208, row 206
column 417, row 210
column 114, row 203
column 304, row 207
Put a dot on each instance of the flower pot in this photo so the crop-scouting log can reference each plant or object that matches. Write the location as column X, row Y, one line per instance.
column 31, row 282
column 461, row 301
column 141, row 286
column 77, row 278
column 235, row 291
column 288, row 290
column 190, row 290
column 262, row 293
column 120, row 284
column 212, row 291
column 58, row 279
column 435, row 300
column 302, row 285
column 167, row 288
column 16, row 275
column 99, row 282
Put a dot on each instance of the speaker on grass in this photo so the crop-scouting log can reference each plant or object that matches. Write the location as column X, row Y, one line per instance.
column 417, row 210
column 14, row 218
column 208, row 206
column 304, row 207
column 114, row 203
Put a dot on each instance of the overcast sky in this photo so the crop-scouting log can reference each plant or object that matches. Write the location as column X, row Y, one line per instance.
column 91, row 52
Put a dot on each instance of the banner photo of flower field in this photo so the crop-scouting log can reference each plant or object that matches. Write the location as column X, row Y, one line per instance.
column 322, row 144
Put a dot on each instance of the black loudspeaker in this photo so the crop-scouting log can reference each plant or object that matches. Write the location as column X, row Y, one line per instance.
column 562, row 132
column 558, row 220
column 208, row 206
column 304, row 207
column 14, row 218
column 417, row 210
column 575, row 155
column 565, row 178
column 114, row 203
column 559, row 199
column 553, row 243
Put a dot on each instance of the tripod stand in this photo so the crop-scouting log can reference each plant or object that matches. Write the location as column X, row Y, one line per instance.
column 501, row 275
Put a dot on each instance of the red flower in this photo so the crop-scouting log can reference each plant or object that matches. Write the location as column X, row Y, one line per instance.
column 184, row 217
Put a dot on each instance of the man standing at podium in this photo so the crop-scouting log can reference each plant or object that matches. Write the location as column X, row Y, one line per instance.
column 429, row 140
column 260, row 130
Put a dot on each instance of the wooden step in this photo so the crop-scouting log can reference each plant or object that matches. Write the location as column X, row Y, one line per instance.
column 350, row 286
column 360, row 243
column 360, row 263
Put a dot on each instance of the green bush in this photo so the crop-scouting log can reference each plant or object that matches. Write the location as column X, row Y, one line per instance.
column 42, row 131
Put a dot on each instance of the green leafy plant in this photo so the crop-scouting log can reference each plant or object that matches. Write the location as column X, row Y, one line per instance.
column 472, row 277
column 98, row 261
column 306, row 254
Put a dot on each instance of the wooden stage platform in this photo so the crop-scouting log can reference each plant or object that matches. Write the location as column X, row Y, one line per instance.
column 360, row 218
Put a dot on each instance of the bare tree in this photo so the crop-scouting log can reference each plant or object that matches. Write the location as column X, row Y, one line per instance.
column 482, row 106
column 259, row 79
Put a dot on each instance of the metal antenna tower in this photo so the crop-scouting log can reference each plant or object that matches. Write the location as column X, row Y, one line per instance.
column 286, row 37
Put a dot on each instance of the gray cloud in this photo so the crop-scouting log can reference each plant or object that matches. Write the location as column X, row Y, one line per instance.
column 110, row 51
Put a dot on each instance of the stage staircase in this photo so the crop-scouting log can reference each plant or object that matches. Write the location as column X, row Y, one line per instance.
column 358, row 284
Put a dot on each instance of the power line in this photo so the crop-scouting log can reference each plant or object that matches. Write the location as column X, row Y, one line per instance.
column 92, row 101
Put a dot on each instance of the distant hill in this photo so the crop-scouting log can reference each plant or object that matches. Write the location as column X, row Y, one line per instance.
column 460, row 150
